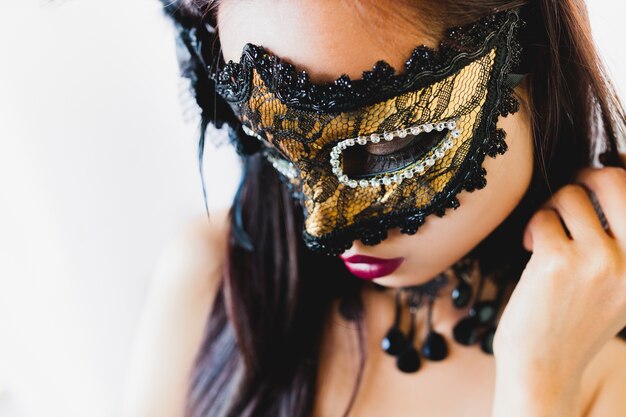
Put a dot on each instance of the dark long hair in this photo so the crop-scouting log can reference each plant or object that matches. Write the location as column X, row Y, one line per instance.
column 261, row 346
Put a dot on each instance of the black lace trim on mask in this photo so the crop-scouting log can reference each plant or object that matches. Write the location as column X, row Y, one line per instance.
column 460, row 46
column 471, row 174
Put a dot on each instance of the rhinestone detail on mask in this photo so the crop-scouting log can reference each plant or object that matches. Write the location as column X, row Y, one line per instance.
column 418, row 168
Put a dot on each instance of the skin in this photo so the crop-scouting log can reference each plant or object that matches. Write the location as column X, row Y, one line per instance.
column 571, row 366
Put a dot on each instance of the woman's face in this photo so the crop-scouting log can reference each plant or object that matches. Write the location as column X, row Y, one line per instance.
column 328, row 39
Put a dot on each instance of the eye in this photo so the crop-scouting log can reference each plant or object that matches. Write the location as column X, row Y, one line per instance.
column 388, row 156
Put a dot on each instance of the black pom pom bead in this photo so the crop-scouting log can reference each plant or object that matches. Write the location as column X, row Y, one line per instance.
column 394, row 342
column 461, row 294
column 464, row 331
column 435, row 347
column 408, row 360
column 484, row 311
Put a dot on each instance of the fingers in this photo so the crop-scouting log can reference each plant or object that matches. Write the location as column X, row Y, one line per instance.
column 573, row 204
column 609, row 185
column 591, row 210
column 544, row 231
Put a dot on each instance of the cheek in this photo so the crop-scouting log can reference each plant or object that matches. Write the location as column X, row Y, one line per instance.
column 442, row 241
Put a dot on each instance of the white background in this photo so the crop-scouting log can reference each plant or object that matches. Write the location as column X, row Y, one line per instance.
column 97, row 171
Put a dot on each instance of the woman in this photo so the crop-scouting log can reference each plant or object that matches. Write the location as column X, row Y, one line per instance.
column 465, row 176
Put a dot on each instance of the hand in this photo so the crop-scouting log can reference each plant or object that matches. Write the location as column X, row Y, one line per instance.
column 571, row 297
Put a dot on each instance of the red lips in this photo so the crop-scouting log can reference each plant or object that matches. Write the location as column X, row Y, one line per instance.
column 368, row 267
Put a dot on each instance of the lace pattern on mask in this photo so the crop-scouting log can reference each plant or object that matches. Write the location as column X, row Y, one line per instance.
column 301, row 122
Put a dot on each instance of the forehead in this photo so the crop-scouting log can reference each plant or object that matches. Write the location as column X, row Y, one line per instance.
column 325, row 38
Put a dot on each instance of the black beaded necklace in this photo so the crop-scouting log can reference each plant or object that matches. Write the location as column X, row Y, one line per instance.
column 479, row 325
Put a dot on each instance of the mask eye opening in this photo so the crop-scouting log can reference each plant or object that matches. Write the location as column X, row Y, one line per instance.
column 419, row 167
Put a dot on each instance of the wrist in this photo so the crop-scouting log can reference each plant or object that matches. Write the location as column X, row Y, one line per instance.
column 549, row 373
column 532, row 391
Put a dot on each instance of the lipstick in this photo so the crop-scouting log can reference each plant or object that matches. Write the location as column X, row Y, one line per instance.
column 369, row 267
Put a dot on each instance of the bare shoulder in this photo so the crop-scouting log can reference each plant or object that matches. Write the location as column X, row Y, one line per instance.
column 185, row 281
column 604, row 381
column 193, row 259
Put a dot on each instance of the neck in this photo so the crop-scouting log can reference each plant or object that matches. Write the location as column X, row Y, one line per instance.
column 379, row 301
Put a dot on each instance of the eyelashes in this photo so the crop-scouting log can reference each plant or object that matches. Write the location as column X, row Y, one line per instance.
column 384, row 157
